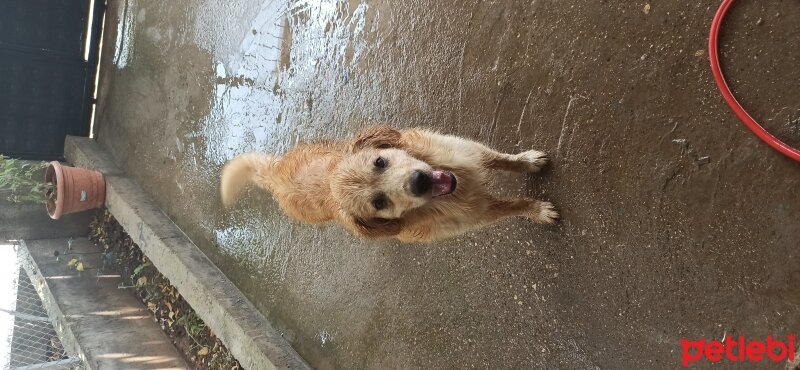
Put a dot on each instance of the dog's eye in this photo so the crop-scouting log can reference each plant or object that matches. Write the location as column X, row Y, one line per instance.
column 379, row 203
column 380, row 162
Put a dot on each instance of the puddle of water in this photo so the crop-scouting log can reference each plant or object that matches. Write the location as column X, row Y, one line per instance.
column 266, row 92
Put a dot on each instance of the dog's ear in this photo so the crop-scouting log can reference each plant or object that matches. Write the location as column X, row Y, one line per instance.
column 377, row 227
column 379, row 137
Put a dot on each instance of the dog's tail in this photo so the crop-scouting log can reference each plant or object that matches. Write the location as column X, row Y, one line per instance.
column 242, row 170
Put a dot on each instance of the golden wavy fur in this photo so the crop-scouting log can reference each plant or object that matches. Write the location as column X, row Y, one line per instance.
column 366, row 184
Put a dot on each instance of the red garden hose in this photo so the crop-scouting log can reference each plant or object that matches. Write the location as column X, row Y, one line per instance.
column 730, row 99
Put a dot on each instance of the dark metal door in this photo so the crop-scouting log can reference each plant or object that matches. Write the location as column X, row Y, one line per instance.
column 46, row 73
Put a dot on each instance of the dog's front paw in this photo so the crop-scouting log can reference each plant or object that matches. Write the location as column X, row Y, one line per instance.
column 534, row 159
column 545, row 214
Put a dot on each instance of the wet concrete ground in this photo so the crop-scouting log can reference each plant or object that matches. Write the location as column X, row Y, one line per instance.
column 677, row 221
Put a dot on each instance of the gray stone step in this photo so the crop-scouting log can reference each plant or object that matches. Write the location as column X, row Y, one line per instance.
column 108, row 328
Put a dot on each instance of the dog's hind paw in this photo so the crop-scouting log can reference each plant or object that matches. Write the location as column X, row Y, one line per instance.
column 535, row 159
column 546, row 214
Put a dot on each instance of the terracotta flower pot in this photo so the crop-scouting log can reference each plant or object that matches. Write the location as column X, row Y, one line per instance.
column 76, row 189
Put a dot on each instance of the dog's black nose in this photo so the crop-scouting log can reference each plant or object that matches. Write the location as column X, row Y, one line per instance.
column 420, row 183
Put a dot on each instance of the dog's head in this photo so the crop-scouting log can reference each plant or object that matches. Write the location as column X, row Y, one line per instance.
column 378, row 182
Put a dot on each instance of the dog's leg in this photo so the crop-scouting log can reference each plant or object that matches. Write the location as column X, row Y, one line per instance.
column 424, row 143
column 530, row 161
column 536, row 210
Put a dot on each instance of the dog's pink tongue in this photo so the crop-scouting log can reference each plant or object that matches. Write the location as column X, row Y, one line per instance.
column 442, row 183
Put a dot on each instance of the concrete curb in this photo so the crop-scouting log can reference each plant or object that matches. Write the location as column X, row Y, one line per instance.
column 233, row 318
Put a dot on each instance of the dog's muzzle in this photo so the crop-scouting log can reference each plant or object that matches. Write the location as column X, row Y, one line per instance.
column 436, row 184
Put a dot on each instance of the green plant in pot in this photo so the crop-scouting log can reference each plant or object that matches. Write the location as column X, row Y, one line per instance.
column 19, row 182
column 64, row 189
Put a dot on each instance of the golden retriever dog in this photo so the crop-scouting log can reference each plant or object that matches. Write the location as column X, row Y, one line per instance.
column 410, row 184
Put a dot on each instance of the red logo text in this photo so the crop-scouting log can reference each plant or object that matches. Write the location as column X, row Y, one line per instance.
column 737, row 350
